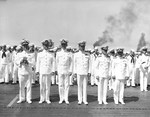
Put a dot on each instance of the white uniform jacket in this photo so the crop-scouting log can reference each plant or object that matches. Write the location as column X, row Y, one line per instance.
column 120, row 68
column 5, row 60
column 24, row 69
column 93, row 58
column 103, row 66
column 45, row 62
column 144, row 63
column 82, row 63
column 32, row 58
column 14, row 54
column 63, row 62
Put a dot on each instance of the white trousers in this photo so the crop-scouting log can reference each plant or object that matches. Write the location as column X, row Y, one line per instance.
column 92, row 79
column 15, row 73
column 33, row 75
column 53, row 79
column 45, row 84
column 111, row 84
column 71, row 80
column 57, row 79
column 102, row 89
column 25, row 81
column 143, row 81
column 118, row 90
column 63, row 86
column 4, row 73
column 10, row 70
column 82, row 88
column 131, row 80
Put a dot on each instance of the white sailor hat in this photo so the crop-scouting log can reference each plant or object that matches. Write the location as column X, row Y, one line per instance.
column 8, row 46
column 68, row 47
column 18, row 47
column 95, row 48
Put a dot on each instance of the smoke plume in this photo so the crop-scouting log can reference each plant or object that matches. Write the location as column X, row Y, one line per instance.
column 104, row 39
column 121, row 26
column 132, row 20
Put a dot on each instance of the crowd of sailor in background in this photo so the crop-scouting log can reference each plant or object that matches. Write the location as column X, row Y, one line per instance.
column 108, row 69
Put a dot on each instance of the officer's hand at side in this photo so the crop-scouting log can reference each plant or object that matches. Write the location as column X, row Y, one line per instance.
column 53, row 73
column 97, row 77
column 89, row 75
column 56, row 73
column 70, row 73
column 109, row 77
column 127, row 78
column 37, row 73
column 113, row 77
column 33, row 68
column 75, row 75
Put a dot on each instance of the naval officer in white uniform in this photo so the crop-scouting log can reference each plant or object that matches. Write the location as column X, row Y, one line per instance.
column 24, row 73
column 64, row 69
column 121, row 73
column 103, row 74
column 45, row 67
column 82, row 70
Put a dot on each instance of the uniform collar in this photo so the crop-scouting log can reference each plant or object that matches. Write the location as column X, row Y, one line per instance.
column 64, row 50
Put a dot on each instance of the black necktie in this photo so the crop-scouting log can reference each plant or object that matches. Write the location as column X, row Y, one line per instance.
column 132, row 59
column 3, row 54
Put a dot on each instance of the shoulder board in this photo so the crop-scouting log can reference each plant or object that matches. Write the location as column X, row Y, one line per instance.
column 99, row 55
column 124, row 57
column 51, row 51
column 86, row 53
column 41, row 50
column 76, row 51
column 107, row 56
column 58, row 50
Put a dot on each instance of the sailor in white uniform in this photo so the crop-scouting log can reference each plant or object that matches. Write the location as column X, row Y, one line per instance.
column 82, row 70
column 144, row 66
column 121, row 74
column 112, row 57
column 4, row 65
column 45, row 67
column 131, row 63
column 103, row 72
column 24, row 73
column 93, row 58
column 32, row 55
column 64, row 69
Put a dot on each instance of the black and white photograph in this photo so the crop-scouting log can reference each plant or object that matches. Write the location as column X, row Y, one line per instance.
column 74, row 58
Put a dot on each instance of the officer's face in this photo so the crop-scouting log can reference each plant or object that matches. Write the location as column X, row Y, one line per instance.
column 25, row 47
column 64, row 46
column 45, row 47
column 120, row 54
column 4, row 48
column 82, row 48
column 104, row 52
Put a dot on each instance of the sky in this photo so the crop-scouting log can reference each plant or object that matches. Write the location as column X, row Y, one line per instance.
column 74, row 20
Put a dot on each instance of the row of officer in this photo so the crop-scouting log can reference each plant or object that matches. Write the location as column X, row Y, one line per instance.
column 114, row 69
